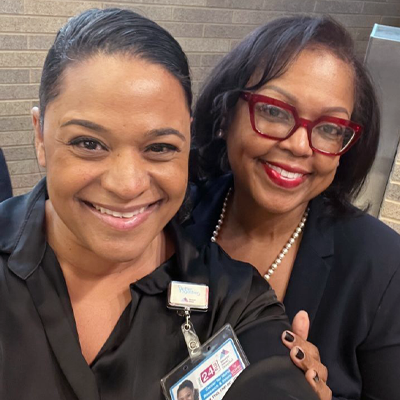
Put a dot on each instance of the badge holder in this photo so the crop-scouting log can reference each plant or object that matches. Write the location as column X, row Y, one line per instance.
column 212, row 367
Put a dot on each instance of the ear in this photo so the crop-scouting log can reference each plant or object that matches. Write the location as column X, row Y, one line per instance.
column 39, row 139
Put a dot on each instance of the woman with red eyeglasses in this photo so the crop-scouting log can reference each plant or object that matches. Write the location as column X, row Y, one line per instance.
column 286, row 130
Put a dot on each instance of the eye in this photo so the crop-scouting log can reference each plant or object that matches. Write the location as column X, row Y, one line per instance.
column 272, row 113
column 330, row 130
column 161, row 148
column 89, row 144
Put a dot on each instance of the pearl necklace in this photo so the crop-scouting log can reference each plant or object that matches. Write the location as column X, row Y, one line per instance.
column 285, row 248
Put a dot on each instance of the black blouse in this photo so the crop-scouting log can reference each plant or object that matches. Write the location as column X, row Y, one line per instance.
column 40, row 355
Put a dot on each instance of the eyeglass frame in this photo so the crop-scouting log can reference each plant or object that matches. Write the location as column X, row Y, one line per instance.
column 253, row 98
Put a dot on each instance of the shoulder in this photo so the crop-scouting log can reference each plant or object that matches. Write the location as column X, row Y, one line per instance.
column 16, row 212
column 356, row 231
column 363, row 250
column 204, row 191
column 368, row 234
column 206, row 199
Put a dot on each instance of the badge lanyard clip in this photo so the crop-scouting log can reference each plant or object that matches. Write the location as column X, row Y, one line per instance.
column 185, row 298
column 192, row 340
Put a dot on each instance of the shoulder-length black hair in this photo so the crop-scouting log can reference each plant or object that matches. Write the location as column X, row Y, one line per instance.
column 269, row 50
column 111, row 31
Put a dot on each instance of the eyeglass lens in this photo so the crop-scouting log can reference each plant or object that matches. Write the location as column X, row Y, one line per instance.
column 278, row 122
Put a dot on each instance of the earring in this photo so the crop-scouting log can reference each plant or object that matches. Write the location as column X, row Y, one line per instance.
column 220, row 134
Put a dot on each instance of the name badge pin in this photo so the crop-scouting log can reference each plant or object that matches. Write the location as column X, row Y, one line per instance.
column 188, row 296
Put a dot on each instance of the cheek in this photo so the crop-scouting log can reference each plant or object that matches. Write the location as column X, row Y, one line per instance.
column 325, row 165
column 173, row 178
column 325, row 172
column 238, row 146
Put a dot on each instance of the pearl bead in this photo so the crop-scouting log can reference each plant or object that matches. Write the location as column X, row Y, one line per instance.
column 284, row 251
column 274, row 266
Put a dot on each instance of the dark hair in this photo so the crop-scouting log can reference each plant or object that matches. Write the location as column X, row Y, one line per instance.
column 270, row 50
column 110, row 31
column 185, row 384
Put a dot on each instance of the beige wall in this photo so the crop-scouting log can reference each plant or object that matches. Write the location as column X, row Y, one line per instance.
column 206, row 29
column 390, row 211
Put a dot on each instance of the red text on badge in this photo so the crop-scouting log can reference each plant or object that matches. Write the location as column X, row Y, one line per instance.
column 207, row 374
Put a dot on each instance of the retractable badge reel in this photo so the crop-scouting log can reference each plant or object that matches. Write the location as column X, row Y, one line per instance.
column 212, row 367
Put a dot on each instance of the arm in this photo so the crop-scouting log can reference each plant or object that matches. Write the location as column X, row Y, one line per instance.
column 270, row 370
column 260, row 325
column 379, row 355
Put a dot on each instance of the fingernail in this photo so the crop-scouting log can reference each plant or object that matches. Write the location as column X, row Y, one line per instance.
column 316, row 377
column 289, row 337
column 299, row 354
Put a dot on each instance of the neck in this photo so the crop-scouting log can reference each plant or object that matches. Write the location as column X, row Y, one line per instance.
column 252, row 220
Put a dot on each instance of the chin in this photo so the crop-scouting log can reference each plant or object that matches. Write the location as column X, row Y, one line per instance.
column 280, row 206
column 118, row 253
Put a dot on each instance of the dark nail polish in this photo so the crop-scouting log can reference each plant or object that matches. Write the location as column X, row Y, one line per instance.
column 299, row 354
column 316, row 377
column 289, row 337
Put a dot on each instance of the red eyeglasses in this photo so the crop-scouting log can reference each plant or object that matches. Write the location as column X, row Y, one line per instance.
column 278, row 120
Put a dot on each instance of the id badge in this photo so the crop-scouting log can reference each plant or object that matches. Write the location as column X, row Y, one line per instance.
column 208, row 375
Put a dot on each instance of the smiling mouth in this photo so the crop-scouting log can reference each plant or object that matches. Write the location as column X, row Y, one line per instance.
column 123, row 220
column 122, row 215
column 283, row 178
column 284, row 173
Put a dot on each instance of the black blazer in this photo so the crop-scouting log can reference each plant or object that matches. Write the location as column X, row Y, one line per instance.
column 5, row 183
column 347, row 277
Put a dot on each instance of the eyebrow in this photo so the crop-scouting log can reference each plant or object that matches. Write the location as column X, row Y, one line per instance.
column 294, row 100
column 101, row 129
column 86, row 124
column 165, row 132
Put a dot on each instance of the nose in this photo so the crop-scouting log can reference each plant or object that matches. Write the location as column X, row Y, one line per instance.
column 127, row 176
column 298, row 143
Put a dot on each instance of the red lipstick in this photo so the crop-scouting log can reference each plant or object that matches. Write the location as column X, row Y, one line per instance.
column 284, row 176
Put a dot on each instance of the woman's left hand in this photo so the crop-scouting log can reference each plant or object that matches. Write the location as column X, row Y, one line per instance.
column 306, row 356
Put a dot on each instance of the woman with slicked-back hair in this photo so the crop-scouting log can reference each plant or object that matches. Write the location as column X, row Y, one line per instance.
column 285, row 131
column 86, row 258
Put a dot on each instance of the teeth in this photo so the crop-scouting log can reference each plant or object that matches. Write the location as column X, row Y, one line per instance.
column 118, row 214
column 284, row 173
